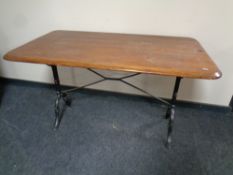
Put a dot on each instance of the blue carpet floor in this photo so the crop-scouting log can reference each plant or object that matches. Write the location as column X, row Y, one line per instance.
column 109, row 134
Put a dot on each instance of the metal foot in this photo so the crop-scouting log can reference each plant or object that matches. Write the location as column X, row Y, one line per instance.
column 170, row 126
column 59, row 108
column 61, row 97
column 57, row 112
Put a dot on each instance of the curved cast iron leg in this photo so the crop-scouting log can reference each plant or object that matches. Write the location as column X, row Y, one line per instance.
column 59, row 107
column 60, row 95
column 57, row 112
column 170, row 115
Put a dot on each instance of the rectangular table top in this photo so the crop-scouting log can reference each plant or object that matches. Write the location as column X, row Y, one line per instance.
column 170, row 56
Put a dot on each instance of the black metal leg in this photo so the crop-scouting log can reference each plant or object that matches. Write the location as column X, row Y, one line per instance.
column 170, row 115
column 60, row 95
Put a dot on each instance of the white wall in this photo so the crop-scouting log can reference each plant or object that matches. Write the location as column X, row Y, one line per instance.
column 209, row 21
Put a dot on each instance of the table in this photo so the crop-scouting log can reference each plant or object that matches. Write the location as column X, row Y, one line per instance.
column 179, row 57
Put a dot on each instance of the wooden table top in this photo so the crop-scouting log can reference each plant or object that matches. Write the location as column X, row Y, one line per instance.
column 170, row 56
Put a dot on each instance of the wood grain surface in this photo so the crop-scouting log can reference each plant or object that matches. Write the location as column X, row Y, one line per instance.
column 169, row 56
